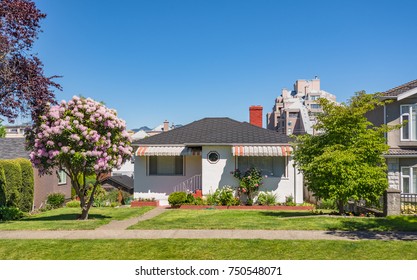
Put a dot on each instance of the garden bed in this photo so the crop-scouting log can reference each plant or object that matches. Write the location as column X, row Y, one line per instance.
column 139, row 203
column 245, row 207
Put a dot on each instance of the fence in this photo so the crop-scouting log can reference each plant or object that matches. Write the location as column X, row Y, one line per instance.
column 408, row 203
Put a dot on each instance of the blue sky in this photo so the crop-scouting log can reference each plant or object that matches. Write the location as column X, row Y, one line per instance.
column 184, row 60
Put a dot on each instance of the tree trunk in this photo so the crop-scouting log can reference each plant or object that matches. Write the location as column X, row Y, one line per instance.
column 340, row 206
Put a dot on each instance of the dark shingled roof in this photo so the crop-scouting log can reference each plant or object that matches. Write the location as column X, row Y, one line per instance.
column 401, row 152
column 11, row 148
column 122, row 181
column 215, row 131
column 400, row 89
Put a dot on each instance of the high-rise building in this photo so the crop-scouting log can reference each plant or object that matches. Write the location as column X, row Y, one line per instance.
column 295, row 111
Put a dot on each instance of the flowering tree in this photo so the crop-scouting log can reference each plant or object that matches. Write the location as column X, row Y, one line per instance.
column 82, row 137
column 249, row 182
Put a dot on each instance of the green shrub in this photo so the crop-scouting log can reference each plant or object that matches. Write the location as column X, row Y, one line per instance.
column 289, row 200
column 55, row 200
column 177, row 198
column 2, row 188
column 327, row 204
column 190, row 199
column 13, row 182
column 223, row 196
column 10, row 213
column 28, row 183
column 73, row 204
column 267, row 198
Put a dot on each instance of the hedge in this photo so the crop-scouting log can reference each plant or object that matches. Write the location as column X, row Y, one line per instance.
column 28, row 184
column 13, row 183
column 2, row 188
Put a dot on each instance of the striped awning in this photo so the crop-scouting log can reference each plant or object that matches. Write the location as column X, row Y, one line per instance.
column 167, row 151
column 265, row 151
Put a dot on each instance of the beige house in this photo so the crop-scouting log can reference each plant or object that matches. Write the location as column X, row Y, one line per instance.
column 402, row 155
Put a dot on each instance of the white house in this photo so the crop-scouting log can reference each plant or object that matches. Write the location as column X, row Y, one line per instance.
column 203, row 154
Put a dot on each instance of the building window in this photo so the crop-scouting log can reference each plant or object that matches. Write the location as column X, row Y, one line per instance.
column 166, row 165
column 314, row 97
column 315, row 106
column 213, row 157
column 293, row 115
column 409, row 179
column 270, row 166
column 409, row 115
column 62, row 177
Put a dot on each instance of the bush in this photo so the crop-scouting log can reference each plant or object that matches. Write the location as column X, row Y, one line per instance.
column 327, row 204
column 28, row 183
column 177, row 198
column 2, row 188
column 73, row 204
column 267, row 198
column 224, row 196
column 10, row 213
column 13, row 182
column 55, row 200
column 289, row 200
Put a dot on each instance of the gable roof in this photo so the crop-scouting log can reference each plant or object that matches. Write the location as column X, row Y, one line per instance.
column 123, row 182
column 400, row 89
column 215, row 131
column 11, row 148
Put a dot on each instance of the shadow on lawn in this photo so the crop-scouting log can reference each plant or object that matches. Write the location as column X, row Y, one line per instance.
column 285, row 214
column 67, row 217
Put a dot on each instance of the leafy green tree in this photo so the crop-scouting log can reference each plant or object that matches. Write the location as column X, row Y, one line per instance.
column 345, row 160
column 2, row 130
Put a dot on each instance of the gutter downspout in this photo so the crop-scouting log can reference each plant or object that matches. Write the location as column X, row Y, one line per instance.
column 295, row 184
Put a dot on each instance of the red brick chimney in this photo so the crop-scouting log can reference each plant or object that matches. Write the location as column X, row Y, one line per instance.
column 255, row 115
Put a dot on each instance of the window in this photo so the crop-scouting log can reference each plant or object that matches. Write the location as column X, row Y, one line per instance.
column 270, row 166
column 315, row 106
column 293, row 115
column 62, row 177
column 213, row 157
column 409, row 179
column 409, row 115
column 166, row 165
column 314, row 97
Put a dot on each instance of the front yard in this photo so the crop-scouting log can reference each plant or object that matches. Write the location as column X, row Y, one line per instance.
column 207, row 249
column 66, row 219
column 273, row 220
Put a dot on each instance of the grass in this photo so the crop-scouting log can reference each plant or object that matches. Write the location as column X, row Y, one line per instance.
column 66, row 219
column 273, row 220
column 207, row 249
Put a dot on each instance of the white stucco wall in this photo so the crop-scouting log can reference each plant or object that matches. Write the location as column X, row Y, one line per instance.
column 163, row 184
column 218, row 174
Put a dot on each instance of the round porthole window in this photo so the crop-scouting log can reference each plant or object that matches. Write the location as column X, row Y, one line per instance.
column 213, row 157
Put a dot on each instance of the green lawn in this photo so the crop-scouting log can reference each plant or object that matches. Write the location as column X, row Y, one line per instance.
column 207, row 249
column 273, row 220
column 66, row 219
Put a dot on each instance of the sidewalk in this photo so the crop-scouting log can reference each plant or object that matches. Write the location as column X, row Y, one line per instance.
column 118, row 230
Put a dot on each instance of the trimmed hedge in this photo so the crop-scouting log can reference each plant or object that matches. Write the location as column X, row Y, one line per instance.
column 3, row 199
column 28, row 184
column 13, row 175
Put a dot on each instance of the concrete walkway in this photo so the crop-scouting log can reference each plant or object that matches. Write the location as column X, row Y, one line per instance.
column 117, row 230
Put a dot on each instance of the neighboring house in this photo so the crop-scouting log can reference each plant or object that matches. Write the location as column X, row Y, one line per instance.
column 202, row 155
column 12, row 148
column 402, row 154
column 123, row 182
column 295, row 111
column 15, row 131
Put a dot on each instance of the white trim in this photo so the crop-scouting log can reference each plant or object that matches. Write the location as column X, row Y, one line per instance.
column 407, row 94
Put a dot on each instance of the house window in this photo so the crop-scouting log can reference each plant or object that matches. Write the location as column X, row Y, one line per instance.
column 409, row 115
column 166, row 165
column 409, row 179
column 62, row 177
column 270, row 166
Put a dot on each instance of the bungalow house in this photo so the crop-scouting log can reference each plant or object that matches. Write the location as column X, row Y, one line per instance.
column 12, row 148
column 203, row 154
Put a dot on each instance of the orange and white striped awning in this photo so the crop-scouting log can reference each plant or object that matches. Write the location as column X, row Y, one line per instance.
column 262, row 151
column 167, row 151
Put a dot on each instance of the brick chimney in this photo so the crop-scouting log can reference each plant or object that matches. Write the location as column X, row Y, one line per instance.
column 255, row 115
column 166, row 125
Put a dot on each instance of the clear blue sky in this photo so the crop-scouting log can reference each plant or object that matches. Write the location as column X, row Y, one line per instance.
column 183, row 60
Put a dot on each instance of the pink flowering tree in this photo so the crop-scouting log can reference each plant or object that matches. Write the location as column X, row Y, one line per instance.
column 81, row 137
